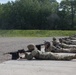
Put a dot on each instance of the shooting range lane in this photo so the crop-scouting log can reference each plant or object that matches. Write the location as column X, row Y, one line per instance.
column 11, row 44
column 31, row 67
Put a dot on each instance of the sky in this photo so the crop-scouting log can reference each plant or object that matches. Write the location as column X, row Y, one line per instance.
column 5, row 1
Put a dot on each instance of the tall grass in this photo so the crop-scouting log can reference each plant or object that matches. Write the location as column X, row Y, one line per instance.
column 35, row 33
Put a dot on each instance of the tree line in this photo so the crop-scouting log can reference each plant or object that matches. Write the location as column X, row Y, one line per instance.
column 38, row 14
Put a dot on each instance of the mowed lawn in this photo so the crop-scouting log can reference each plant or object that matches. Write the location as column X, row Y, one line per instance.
column 36, row 33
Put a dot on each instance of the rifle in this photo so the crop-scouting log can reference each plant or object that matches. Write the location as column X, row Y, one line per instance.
column 15, row 55
column 39, row 46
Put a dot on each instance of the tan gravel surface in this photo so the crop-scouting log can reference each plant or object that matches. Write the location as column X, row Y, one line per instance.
column 36, row 67
column 31, row 67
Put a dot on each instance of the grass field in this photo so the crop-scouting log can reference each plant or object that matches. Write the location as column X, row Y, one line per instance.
column 35, row 33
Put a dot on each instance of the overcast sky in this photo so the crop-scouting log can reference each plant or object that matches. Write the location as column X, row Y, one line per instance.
column 5, row 1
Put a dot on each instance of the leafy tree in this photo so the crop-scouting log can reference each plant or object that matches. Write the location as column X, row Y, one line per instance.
column 68, row 9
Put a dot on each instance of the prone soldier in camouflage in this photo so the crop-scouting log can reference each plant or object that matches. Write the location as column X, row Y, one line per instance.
column 65, row 45
column 73, row 37
column 57, row 49
column 61, row 44
column 39, row 55
column 68, row 41
column 20, row 54
column 56, row 43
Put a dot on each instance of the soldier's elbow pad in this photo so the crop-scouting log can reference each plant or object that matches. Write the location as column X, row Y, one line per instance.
column 29, row 57
column 34, row 53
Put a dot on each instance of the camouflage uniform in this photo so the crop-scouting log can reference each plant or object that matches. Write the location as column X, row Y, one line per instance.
column 72, row 38
column 59, row 50
column 61, row 47
column 68, row 41
column 65, row 45
column 65, row 50
column 55, row 43
column 49, row 47
column 48, row 56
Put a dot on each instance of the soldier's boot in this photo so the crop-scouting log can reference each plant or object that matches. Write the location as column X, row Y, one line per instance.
column 69, row 57
column 73, row 50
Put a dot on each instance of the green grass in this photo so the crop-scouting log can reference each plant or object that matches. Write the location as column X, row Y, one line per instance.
column 35, row 33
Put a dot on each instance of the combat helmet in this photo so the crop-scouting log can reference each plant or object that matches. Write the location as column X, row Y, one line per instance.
column 31, row 47
column 54, row 38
